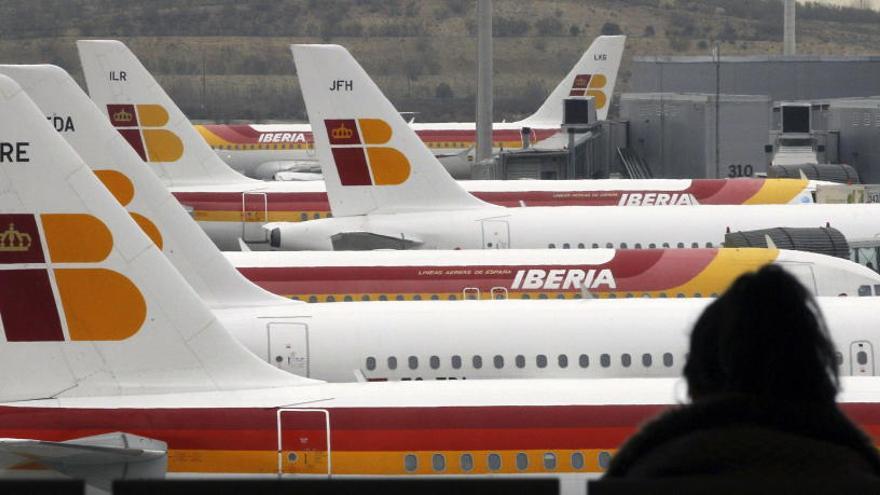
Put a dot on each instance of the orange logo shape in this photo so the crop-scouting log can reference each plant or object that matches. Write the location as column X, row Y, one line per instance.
column 591, row 85
column 359, row 161
column 141, row 125
column 96, row 304
column 122, row 189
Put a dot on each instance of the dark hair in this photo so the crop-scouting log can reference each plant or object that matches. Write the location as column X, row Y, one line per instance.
column 764, row 337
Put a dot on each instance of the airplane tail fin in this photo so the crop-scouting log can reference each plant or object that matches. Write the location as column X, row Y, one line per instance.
column 595, row 74
column 147, row 118
column 88, row 305
column 372, row 160
column 160, row 215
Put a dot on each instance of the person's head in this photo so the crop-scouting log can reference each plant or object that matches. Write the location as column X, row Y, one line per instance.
column 764, row 337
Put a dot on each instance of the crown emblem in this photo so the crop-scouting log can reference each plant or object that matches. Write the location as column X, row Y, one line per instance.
column 342, row 132
column 123, row 116
column 13, row 241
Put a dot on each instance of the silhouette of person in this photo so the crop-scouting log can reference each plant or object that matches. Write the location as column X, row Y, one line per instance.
column 762, row 377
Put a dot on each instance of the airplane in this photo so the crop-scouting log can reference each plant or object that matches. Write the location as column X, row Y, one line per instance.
column 231, row 207
column 305, row 338
column 387, row 191
column 277, row 329
column 339, row 276
column 262, row 151
column 113, row 367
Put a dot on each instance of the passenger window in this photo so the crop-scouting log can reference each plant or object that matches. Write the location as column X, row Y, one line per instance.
column 541, row 361
column 551, row 246
column 652, row 246
column 452, row 297
column 410, row 462
column 708, row 244
column 668, row 360
column 566, row 246
column 666, row 245
column 605, row 360
column 435, row 362
column 494, row 462
column 626, row 360
column 543, row 296
column 581, row 245
column 392, row 363
column 331, row 299
column 838, row 357
column 560, row 296
column 604, row 460
column 413, row 362
column 417, row 297
column 438, row 462
column 563, row 361
column 577, row 460
column 365, row 298
column 864, row 290
column 595, row 245
column 549, row 461
column 399, row 297
column 638, row 245
column 467, row 462
column 383, row 297
column 371, row 363
column 522, row 461
column 680, row 295
column 303, row 217
column 477, row 362
column 435, row 297
column 526, row 296
column 609, row 245
column 520, row 361
column 680, row 244
column 348, row 299
column 647, row 360
column 862, row 358
column 313, row 299
column 695, row 244
column 499, row 362
column 623, row 245
column 697, row 294
column 456, row 362
column 584, row 361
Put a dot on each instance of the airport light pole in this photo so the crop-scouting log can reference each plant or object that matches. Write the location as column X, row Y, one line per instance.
column 484, row 80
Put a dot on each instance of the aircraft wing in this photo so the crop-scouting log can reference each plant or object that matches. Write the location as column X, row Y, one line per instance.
column 84, row 451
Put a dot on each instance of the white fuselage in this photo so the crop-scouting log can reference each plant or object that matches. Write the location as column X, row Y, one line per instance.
column 505, row 339
column 581, row 227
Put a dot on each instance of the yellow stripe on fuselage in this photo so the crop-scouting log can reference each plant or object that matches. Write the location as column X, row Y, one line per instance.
column 727, row 266
column 373, row 463
column 778, row 191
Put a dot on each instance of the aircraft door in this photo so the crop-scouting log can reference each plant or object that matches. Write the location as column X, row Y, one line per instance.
column 289, row 347
column 496, row 234
column 254, row 213
column 803, row 272
column 861, row 358
column 304, row 441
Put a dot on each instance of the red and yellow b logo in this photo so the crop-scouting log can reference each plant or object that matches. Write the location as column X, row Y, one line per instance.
column 591, row 85
column 359, row 161
column 37, row 270
column 140, row 125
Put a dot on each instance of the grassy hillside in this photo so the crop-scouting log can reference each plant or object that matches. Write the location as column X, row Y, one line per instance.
column 226, row 59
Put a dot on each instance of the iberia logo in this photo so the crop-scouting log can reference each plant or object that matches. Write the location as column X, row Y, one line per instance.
column 141, row 126
column 121, row 187
column 591, row 85
column 51, row 257
column 359, row 159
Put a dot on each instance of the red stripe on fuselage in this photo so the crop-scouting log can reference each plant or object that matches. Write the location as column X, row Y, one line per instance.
column 366, row 429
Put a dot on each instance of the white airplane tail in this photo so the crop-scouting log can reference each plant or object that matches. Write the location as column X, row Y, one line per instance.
column 595, row 74
column 160, row 215
column 88, row 305
column 148, row 119
column 372, row 160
